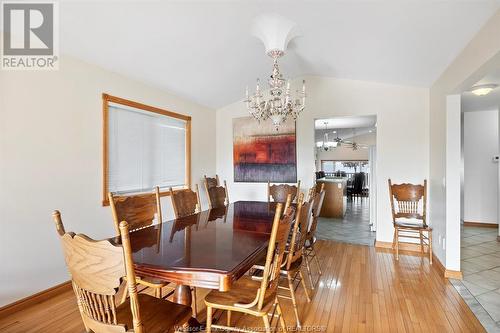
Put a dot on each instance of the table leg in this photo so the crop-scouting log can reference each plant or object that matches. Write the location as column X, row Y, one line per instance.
column 182, row 295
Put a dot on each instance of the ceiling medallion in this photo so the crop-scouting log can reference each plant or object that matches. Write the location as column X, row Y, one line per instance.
column 275, row 32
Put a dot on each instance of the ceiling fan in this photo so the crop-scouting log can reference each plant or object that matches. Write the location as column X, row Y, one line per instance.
column 350, row 144
column 327, row 145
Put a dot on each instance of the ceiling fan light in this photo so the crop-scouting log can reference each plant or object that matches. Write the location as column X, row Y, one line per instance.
column 331, row 144
column 483, row 89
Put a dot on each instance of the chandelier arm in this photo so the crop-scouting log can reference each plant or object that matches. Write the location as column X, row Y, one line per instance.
column 280, row 105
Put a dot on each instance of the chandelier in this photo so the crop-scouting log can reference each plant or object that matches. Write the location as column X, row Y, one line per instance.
column 280, row 104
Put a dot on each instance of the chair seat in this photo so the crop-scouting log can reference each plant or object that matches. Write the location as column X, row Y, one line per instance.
column 157, row 315
column 412, row 225
column 149, row 282
column 152, row 282
column 243, row 291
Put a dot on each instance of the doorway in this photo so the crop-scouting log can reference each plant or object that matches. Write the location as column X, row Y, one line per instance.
column 345, row 155
column 479, row 259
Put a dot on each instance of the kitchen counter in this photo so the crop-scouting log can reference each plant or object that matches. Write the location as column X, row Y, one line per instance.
column 335, row 201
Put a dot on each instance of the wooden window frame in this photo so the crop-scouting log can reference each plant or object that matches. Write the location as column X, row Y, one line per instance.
column 106, row 99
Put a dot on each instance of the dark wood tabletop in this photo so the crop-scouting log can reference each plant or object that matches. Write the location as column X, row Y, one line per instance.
column 211, row 249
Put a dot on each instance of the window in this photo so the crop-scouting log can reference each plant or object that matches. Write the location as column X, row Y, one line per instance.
column 144, row 147
column 349, row 166
column 328, row 166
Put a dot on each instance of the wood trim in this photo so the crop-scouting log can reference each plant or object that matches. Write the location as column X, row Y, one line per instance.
column 447, row 273
column 34, row 299
column 137, row 105
column 105, row 135
column 450, row 274
column 105, row 152
column 479, row 224
column 403, row 246
column 438, row 263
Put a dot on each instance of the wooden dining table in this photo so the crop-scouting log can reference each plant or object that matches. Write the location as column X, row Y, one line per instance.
column 210, row 249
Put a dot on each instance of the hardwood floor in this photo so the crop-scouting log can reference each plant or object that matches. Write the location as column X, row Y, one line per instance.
column 362, row 289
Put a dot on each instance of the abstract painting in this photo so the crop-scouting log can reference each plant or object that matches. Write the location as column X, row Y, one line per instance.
column 261, row 153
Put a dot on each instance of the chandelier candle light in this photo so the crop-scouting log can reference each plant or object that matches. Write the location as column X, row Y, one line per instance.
column 280, row 104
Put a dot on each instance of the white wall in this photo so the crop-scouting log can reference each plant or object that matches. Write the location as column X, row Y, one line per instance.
column 480, row 172
column 51, row 158
column 453, row 173
column 341, row 154
column 402, row 136
column 477, row 59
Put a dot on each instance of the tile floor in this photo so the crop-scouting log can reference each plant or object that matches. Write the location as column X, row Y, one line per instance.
column 480, row 265
column 354, row 228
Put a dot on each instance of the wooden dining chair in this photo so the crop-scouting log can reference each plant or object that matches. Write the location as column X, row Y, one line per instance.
column 97, row 269
column 409, row 215
column 316, row 202
column 211, row 181
column 139, row 211
column 256, row 297
column 280, row 192
column 292, row 260
column 185, row 202
column 318, row 187
column 218, row 196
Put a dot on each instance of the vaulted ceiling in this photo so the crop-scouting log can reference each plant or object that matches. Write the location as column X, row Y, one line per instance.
column 204, row 50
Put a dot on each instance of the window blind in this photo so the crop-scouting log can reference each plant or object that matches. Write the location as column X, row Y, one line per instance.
column 145, row 150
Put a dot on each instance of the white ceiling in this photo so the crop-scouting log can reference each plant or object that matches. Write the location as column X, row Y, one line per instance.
column 362, row 135
column 358, row 128
column 471, row 102
column 345, row 122
column 204, row 50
